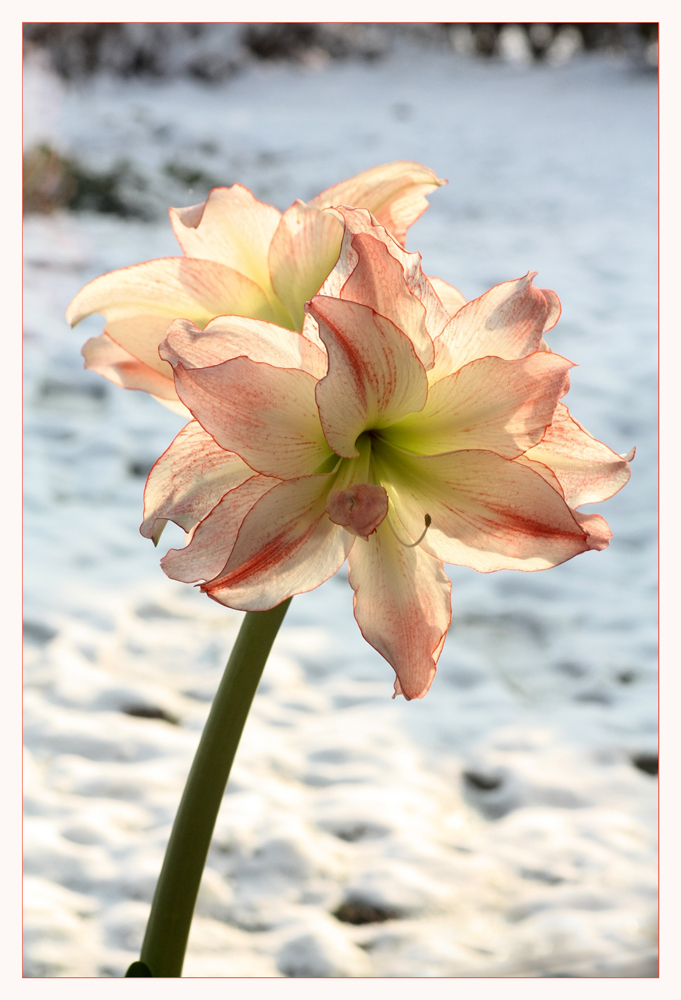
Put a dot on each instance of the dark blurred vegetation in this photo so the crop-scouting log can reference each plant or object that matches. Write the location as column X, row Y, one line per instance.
column 214, row 51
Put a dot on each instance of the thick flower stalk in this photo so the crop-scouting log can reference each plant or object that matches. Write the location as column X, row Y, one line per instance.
column 242, row 257
column 392, row 432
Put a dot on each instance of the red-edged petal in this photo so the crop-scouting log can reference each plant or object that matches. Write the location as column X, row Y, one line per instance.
column 598, row 534
column 139, row 302
column 486, row 512
column 587, row 470
column 402, row 606
column 107, row 358
column 228, row 337
column 506, row 322
column 450, row 297
column 189, row 479
column 212, row 543
column 555, row 309
column 374, row 374
column 266, row 415
column 286, row 545
column 497, row 405
column 393, row 192
column 359, row 222
column 378, row 281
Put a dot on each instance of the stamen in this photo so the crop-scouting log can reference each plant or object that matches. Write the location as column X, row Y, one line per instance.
column 410, row 545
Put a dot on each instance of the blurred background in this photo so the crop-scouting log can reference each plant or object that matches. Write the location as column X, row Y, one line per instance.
column 506, row 824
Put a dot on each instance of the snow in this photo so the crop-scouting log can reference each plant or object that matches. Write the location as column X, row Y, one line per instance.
column 499, row 827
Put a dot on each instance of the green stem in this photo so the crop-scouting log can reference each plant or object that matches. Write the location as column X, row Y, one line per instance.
column 172, row 910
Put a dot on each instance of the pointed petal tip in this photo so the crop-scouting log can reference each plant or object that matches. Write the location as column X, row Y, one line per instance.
column 629, row 456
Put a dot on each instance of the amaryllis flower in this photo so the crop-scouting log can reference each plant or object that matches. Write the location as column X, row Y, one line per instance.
column 388, row 433
column 241, row 257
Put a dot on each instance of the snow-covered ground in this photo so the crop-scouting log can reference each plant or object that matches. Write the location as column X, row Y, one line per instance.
column 503, row 826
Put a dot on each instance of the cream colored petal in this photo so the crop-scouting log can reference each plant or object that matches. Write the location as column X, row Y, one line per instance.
column 450, row 297
column 189, row 479
column 231, row 227
column 266, row 415
column 393, row 192
column 497, row 405
column 139, row 302
column 286, row 545
column 304, row 249
column 228, row 337
column 486, row 512
column 374, row 375
column 213, row 540
column 506, row 322
column 587, row 470
column 105, row 356
column 402, row 606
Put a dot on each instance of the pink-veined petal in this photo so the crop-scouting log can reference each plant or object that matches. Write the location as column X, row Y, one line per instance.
column 450, row 297
column 497, row 405
column 266, row 415
column 231, row 227
column 402, row 605
column 304, row 249
column 486, row 512
column 587, row 470
column 393, row 192
column 359, row 222
column 189, row 479
column 227, row 337
column 286, row 545
column 506, row 322
column 378, row 281
column 104, row 356
column 213, row 540
column 374, row 374
column 139, row 302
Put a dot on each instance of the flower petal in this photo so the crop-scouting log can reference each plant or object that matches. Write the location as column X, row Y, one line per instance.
column 450, row 297
column 402, row 606
column 359, row 221
column 587, row 470
column 486, row 512
column 497, row 405
column 189, row 479
column 374, row 374
column 304, row 249
column 227, row 337
column 555, row 309
column 140, row 301
column 286, row 545
column 378, row 281
column 266, row 415
column 393, row 192
column 598, row 534
column 107, row 358
column 213, row 540
column 506, row 322
column 231, row 227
